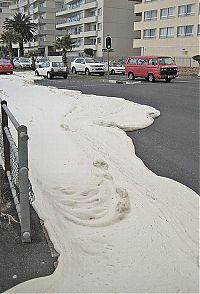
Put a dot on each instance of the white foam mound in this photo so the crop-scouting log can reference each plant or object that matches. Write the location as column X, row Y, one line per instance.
column 117, row 226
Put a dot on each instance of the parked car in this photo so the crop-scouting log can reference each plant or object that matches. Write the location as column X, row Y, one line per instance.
column 21, row 62
column 6, row 66
column 115, row 68
column 151, row 68
column 88, row 66
column 40, row 61
column 51, row 69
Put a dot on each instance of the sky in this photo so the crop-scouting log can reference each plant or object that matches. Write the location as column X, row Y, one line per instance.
column 118, row 227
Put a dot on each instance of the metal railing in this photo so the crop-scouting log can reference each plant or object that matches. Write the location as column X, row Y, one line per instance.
column 15, row 159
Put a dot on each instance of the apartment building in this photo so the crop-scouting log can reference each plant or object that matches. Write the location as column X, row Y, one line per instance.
column 168, row 27
column 90, row 21
column 43, row 14
column 4, row 12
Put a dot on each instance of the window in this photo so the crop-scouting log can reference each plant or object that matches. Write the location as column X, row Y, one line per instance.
column 99, row 26
column 150, row 15
column 183, row 31
column 132, row 61
column 167, row 12
column 99, row 11
column 149, row 33
column 141, row 61
column 167, row 32
column 152, row 61
column 185, row 10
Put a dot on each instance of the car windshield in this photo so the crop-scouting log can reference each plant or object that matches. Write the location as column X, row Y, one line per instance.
column 90, row 60
column 116, row 65
column 24, row 59
column 58, row 64
column 165, row 60
column 42, row 60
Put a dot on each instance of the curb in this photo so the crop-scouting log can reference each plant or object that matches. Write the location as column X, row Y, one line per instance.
column 121, row 82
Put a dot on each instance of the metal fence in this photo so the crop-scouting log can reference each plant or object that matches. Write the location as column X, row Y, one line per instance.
column 15, row 159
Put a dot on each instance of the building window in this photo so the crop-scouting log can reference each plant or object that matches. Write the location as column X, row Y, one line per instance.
column 167, row 12
column 185, row 10
column 150, row 15
column 99, row 26
column 99, row 11
column 167, row 32
column 99, row 40
column 149, row 33
column 183, row 31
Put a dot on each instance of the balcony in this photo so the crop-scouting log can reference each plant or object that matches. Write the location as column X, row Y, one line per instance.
column 13, row 6
column 89, row 34
column 88, row 4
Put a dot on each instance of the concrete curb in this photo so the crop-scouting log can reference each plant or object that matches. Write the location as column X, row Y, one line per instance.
column 121, row 82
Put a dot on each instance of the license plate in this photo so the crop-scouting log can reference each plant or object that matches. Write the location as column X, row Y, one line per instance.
column 60, row 69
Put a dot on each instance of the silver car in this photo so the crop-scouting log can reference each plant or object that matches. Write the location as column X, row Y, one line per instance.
column 21, row 62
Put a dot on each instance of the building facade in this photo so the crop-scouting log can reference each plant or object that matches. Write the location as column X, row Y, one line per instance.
column 4, row 12
column 43, row 14
column 89, row 21
column 168, row 27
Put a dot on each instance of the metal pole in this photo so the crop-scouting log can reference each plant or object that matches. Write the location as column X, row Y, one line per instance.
column 108, row 64
column 6, row 145
column 24, row 183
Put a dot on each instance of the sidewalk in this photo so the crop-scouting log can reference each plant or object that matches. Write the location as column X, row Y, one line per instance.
column 21, row 261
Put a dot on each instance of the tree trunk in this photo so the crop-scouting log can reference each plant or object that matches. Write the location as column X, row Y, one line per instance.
column 21, row 48
column 10, row 52
column 64, row 57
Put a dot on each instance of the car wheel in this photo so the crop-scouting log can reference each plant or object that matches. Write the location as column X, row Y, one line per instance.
column 112, row 72
column 21, row 67
column 151, row 78
column 102, row 74
column 131, row 76
column 49, row 76
column 87, row 72
column 11, row 72
column 37, row 73
column 168, row 80
column 65, row 77
column 74, row 70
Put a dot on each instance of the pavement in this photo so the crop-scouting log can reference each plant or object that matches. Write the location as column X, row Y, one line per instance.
column 21, row 261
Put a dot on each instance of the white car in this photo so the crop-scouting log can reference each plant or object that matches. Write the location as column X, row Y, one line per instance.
column 52, row 69
column 115, row 68
column 88, row 66
column 21, row 62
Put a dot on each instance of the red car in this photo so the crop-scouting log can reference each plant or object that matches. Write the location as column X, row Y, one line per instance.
column 151, row 68
column 6, row 66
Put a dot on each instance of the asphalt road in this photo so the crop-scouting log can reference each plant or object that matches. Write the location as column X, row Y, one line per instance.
column 169, row 147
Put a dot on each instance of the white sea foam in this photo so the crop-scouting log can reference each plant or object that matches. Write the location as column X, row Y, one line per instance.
column 117, row 226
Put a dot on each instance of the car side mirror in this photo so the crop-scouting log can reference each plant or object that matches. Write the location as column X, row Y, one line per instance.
column 40, row 66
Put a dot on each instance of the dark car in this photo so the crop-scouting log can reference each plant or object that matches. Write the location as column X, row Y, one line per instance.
column 6, row 66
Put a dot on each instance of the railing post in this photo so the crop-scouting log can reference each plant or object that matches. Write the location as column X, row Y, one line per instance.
column 6, row 145
column 24, row 183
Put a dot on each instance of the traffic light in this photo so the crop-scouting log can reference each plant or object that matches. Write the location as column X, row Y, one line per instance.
column 108, row 42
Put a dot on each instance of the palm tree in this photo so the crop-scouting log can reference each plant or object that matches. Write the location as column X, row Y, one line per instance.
column 9, row 37
column 65, row 43
column 22, row 25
